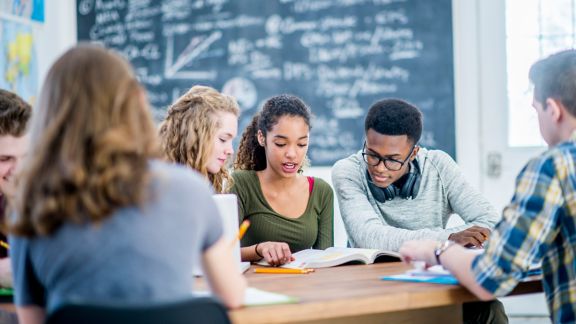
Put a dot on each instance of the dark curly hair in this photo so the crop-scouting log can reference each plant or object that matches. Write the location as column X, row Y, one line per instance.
column 395, row 117
column 252, row 156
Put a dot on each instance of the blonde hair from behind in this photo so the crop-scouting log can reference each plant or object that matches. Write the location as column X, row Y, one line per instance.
column 188, row 132
column 92, row 138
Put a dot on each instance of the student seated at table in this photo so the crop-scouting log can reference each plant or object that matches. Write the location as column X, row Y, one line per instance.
column 539, row 223
column 288, row 211
column 392, row 191
column 98, row 219
column 198, row 132
column 14, row 116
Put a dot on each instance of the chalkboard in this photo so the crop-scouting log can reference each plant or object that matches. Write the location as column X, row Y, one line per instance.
column 339, row 56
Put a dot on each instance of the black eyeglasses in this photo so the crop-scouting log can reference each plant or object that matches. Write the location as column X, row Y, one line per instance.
column 373, row 159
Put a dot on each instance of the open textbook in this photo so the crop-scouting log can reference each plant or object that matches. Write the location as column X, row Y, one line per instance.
column 335, row 256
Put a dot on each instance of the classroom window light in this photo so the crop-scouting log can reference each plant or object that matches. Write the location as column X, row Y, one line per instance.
column 534, row 29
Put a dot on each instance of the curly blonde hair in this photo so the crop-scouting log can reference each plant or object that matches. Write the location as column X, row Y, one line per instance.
column 189, row 129
column 92, row 136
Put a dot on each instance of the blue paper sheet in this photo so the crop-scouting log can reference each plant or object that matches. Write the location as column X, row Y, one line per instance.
column 444, row 280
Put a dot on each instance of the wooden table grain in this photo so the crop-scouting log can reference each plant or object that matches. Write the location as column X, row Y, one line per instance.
column 356, row 294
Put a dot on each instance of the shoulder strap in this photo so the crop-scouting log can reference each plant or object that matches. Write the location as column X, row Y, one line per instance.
column 310, row 184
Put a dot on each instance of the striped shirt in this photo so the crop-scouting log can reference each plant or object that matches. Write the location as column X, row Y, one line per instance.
column 539, row 225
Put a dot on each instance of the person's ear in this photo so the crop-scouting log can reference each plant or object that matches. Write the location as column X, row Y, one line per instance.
column 414, row 153
column 261, row 138
column 555, row 109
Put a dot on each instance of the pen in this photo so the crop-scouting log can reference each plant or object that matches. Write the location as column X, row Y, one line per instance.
column 283, row 270
column 5, row 245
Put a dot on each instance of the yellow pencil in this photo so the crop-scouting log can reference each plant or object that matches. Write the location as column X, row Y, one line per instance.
column 243, row 228
column 5, row 245
column 283, row 270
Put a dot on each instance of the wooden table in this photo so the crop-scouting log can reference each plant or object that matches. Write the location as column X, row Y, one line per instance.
column 355, row 294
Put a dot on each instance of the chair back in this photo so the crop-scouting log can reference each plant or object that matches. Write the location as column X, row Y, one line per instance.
column 189, row 311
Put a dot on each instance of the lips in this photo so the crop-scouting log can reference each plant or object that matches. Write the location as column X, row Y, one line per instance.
column 289, row 167
column 380, row 178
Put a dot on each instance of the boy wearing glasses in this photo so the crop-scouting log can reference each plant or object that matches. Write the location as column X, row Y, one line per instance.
column 395, row 191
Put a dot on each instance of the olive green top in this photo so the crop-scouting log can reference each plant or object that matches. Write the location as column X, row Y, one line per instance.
column 313, row 229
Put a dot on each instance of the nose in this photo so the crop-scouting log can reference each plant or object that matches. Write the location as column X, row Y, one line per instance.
column 290, row 152
column 380, row 167
column 229, row 149
column 9, row 171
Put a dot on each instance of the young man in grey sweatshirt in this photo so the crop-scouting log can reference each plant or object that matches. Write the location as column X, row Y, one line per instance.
column 393, row 191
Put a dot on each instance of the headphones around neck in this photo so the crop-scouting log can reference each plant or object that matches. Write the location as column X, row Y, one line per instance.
column 409, row 188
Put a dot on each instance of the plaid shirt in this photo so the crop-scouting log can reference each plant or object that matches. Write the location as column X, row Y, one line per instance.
column 539, row 225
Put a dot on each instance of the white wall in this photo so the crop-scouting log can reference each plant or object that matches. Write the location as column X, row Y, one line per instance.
column 56, row 35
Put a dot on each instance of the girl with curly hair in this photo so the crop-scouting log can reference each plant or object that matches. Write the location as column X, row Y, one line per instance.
column 198, row 132
column 288, row 211
column 97, row 217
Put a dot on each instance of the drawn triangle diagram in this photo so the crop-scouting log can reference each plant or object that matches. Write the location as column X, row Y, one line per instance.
column 197, row 45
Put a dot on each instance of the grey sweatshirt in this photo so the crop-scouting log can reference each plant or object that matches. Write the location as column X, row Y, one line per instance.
column 443, row 191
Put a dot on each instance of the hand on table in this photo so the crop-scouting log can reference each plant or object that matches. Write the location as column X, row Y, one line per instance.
column 275, row 253
column 474, row 236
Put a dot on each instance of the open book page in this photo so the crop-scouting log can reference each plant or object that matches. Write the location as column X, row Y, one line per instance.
column 331, row 257
column 306, row 258
column 372, row 255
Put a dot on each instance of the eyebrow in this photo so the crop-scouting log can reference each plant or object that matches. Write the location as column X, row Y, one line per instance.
column 389, row 155
column 286, row 137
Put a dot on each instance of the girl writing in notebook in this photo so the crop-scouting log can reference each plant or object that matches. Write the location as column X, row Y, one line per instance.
column 288, row 211
column 198, row 132
column 98, row 218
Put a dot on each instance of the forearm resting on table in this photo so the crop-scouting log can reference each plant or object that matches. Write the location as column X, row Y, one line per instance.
column 458, row 260
column 248, row 253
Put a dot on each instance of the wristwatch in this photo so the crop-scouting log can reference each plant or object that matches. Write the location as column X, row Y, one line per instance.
column 441, row 248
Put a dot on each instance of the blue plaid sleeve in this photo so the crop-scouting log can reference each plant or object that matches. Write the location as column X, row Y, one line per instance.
column 527, row 226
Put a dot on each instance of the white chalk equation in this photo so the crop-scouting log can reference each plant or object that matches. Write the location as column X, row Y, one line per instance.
column 197, row 45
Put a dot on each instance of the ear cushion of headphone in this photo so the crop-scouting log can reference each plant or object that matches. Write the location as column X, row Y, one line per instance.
column 412, row 184
column 389, row 192
column 405, row 190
